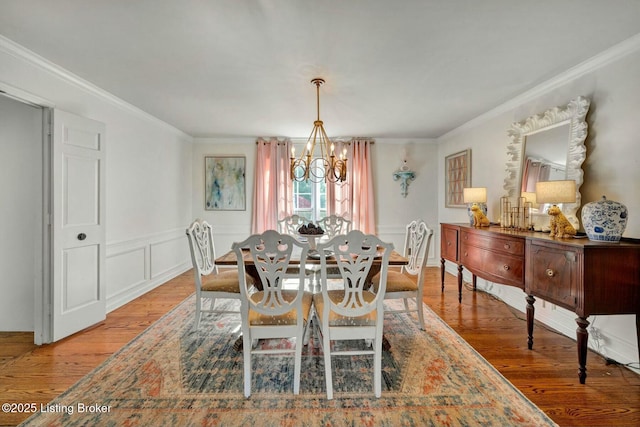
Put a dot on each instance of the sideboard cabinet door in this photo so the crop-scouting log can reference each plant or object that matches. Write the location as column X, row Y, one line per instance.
column 553, row 273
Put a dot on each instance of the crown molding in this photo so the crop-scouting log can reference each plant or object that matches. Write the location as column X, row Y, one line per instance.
column 18, row 51
column 594, row 63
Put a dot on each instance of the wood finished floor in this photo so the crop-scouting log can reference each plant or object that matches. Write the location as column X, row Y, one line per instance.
column 547, row 375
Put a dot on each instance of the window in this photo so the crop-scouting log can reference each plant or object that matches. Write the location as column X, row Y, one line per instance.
column 310, row 199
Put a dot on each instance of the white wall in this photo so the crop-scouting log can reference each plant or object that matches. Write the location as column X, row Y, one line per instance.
column 228, row 226
column 20, row 211
column 612, row 168
column 392, row 210
column 148, row 176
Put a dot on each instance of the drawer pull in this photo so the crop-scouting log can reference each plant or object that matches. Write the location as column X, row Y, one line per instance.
column 448, row 243
column 506, row 267
column 507, row 246
column 550, row 272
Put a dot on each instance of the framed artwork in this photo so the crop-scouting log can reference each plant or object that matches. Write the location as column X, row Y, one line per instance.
column 457, row 169
column 224, row 183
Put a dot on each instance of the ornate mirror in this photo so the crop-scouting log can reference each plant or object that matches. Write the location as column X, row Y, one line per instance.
column 548, row 147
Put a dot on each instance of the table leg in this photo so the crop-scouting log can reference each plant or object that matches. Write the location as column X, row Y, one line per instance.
column 237, row 346
column 582, row 337
column 531, row 310
column 638, row 333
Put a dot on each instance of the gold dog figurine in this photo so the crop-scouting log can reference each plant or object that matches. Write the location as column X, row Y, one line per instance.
column 479, row 218
column 560, row 225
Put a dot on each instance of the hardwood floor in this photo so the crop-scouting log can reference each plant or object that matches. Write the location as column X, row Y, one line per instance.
column 547, row 375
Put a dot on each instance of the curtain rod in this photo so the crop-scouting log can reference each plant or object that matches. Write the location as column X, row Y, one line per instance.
column 372, row 142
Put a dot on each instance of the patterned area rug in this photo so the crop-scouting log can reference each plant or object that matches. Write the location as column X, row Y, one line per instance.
column 171, row 375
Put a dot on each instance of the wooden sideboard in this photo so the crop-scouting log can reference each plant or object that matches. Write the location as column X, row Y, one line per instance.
column 586, row 277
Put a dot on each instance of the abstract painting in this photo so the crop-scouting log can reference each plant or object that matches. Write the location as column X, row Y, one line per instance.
column 224, row 183
column 457, row 176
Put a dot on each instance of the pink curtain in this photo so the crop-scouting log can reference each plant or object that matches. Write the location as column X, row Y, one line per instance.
column 534, row 171
column 354, row 198
column 272, row 190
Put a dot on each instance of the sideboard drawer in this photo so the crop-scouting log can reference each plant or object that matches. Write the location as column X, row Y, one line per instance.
column 494, row 266
column 449, row 244
column 554, row 274
column 511, row 246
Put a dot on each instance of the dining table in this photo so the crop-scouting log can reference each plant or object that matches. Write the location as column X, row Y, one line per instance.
column 229, row 259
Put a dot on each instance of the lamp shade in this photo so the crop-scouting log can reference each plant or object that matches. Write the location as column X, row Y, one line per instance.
column 529, row 197
column 474, row 195
column 556, row 191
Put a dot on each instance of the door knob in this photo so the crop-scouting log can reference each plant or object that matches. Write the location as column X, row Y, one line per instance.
column 82, row 236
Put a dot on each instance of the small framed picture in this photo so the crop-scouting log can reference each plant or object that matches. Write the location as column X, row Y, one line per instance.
column 224, row 186
column 457, row 169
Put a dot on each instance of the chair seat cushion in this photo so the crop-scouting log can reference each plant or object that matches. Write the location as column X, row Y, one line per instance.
column 396, row 282
column 289, row 318
column 224, row 281
column 335, row 319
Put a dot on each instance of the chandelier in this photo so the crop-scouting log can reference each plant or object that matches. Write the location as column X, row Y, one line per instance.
column 326, row 167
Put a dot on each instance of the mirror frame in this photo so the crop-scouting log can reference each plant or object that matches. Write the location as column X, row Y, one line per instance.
column 573, row 114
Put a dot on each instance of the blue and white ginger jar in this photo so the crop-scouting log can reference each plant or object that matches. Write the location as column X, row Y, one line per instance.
column 604, row 220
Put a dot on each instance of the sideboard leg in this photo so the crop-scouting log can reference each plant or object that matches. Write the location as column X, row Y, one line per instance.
column 638, row 333
column 582, row 337
column 442, row 274
column 460, row 283
column 531, row 310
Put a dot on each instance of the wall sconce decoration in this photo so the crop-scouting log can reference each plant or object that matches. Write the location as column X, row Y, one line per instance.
column 405, row 176
column 557, row 192
column 475, row 196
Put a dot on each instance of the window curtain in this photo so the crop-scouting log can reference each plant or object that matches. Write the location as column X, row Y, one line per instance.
column 354, row 198
column 534, row 171
column 272, row 190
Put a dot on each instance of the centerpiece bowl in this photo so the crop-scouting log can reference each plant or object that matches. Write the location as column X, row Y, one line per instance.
column 312, row 233
column 312, row 239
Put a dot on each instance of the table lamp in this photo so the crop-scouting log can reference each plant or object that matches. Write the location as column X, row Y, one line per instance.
column 555, row 192
column 475, row 196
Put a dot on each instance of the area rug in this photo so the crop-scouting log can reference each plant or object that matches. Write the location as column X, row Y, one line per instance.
column 171, row 375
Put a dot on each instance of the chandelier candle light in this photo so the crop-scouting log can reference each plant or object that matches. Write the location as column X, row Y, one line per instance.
column 327, row 167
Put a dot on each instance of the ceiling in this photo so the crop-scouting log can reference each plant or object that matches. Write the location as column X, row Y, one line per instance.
column 393, row 69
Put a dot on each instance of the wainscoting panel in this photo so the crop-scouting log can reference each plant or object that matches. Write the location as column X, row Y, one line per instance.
column 126, row 270
column 136, row 266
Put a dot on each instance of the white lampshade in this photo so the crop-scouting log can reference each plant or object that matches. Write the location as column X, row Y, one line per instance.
column 474, row 195
column 529, row 197
column 556, row 192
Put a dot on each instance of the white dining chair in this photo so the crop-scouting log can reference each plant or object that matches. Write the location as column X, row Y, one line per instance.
column 408, row 283
column 334, row 225
column 276, row 310
column 290, row 224
column 211, row 284
column 350, row 311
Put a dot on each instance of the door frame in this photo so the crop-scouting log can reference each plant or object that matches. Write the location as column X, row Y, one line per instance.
column 42, row 267
column 42, row 333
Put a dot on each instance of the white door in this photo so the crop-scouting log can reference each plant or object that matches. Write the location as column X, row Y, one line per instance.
column 77, row 224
